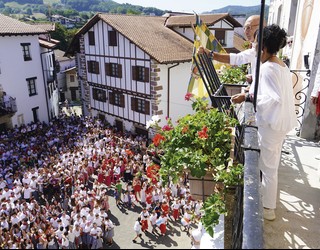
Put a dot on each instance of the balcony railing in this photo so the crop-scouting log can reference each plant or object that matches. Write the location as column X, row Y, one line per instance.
column 8, row 108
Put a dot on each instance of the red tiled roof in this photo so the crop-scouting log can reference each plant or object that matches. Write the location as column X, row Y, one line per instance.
column 150, row 34
column 10, row 26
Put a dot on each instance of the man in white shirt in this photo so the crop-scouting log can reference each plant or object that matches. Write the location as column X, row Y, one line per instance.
column 65, row 219
column 95, row 233
column 27, row 192
column 247, row 56
column 71, row 237
column 26, row 179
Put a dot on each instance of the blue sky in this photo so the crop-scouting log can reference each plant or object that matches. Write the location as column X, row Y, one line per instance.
column 197, row 6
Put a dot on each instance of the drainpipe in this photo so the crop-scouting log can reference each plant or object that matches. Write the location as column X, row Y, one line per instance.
column 168, row 92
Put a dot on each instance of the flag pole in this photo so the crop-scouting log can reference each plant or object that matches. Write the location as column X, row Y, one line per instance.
column 258, row 55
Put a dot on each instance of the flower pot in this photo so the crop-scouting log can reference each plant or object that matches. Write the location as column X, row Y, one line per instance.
column 201, row 188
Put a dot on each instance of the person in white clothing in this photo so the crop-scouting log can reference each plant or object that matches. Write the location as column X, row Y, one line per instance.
column 247, row 56
column 315, row 96
column 186, row 220
column 275, row 115
column 196, row 236
column 137, row 228
column 109, row 231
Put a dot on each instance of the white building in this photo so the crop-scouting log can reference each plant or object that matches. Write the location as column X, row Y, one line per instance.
column 67, row 77
column 301, row 19
column 133, row 67
column 27, row 72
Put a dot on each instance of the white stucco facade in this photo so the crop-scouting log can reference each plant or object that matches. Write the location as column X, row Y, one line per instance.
column 14, row 74
column 301, row 19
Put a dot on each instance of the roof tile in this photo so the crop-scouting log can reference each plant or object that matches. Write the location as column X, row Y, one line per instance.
column 11, row 26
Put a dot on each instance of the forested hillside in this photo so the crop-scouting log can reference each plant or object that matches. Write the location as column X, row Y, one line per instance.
column 73, row 6
column 24, row 1
column 240, row 10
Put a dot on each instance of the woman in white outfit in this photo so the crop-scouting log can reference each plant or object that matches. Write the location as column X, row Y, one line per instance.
column 275, row 115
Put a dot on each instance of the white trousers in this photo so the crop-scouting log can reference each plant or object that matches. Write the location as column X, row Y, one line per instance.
column 270, row 142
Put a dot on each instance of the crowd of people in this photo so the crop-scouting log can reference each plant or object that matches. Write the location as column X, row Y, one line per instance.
column 56, row 180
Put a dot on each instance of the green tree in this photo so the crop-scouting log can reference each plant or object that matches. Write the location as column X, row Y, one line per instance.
column 64, row 35
column 29, row 11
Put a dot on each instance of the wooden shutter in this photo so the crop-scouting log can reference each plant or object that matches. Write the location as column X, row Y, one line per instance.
column 107, row 68
column 134, row 73
column 97, row 71
column 146, row 74
column 122, row 101
column 119, row 70
column 94, row 94
column 147, row 106
column 133, row 104
column 111, row 97
column 89, row 66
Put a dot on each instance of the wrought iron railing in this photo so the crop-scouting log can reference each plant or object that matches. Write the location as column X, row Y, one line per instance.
column 222, row 101
column 300, row 87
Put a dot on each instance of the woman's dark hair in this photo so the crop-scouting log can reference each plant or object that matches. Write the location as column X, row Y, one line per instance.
column 274, row 38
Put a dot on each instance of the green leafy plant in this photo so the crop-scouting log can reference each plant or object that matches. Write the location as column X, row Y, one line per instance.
column 234, row 75
column 198, row 143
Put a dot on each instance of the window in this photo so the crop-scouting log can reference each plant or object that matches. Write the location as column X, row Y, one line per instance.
column 71, row 78
column 221, row 36
column 32, row 86
column 26, row 51
column 113, row 69
column 93, row 67
column 117, row 99
column 91, row 38
column 140, row 105
column 99, row 95
column 112, row 38
column 140, row 73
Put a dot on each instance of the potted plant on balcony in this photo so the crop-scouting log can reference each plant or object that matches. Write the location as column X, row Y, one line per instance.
column 199, row 144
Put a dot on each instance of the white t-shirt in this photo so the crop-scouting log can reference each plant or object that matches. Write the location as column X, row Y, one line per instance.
column 137, row 227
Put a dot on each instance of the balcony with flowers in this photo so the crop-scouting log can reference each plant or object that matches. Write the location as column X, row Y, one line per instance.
column 199, row 144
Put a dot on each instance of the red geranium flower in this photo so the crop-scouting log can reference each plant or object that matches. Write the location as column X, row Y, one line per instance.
column 166, row 128
column 185, row 129
column 188, row 96
column 157, row 139
column 203, row 133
